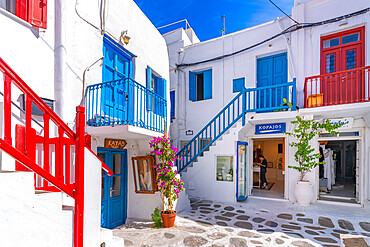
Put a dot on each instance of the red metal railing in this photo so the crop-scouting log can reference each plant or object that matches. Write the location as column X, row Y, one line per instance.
column 49, row 157
column 345, row 87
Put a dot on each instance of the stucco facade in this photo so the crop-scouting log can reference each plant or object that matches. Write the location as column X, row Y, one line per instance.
column 303, row 51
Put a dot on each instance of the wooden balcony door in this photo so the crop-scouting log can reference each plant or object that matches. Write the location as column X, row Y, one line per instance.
column 339, row 53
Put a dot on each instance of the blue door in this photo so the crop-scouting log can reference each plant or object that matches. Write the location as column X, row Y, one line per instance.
column 242, row 185
column 272, row 70
column 116, row 66
column 114, row 188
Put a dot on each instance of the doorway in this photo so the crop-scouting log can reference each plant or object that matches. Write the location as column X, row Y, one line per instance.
column 272, row 70
column 273, row 150
column 114, row 188
column 339, row 174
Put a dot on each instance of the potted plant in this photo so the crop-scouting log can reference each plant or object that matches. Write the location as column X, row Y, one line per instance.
column 169, row 186
column 306, row 156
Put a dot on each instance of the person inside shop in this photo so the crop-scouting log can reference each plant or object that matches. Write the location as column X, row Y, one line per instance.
column 263, row 170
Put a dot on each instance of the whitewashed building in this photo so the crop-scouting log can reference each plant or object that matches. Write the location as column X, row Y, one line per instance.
column 235, row 95
column 109, row 58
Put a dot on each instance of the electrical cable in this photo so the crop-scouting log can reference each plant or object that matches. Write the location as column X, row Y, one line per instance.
column 84, row 18
column 284, row 12
column 290, row 29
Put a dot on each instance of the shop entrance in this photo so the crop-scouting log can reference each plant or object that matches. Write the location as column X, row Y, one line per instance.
column 339, row 174
column 273, row 151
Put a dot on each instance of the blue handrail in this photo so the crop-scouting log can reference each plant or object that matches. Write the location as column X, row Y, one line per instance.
column 125, row 101
column 260, row 99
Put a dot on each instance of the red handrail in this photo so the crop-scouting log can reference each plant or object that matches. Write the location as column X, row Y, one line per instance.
column 343, row 87
column 26, row 139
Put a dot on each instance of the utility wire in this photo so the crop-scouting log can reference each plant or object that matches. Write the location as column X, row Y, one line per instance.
column 290, row 29
column 282, row 11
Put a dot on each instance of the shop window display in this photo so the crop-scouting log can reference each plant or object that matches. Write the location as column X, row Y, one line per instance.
column 224, row 168
column 144, row 174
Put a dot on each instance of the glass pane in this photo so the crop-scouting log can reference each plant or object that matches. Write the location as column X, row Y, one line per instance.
column 102, row 157
column 117, row 163
column 109, row 58
column 331, row 43
column 242, row 171
column 224, row 168
column 351, row 59
column 330, row 63
column 143, row 175
column 102, row 187
column 350, row 38
column 121, row 66
column 116, row 186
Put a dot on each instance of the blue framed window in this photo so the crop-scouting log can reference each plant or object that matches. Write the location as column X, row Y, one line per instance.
column 172, row 99
column 200, row 85
column 157, row 85
column 117, row 62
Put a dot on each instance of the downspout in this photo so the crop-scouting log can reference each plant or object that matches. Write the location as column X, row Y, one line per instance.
column 60, row 54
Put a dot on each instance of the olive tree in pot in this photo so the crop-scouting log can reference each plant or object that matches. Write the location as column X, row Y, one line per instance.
column 169, row 185
column 306, row 156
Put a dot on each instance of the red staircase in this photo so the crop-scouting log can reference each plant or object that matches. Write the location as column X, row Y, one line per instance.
column 58, row 174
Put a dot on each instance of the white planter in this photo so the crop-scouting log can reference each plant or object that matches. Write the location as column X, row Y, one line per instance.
column 303, row 192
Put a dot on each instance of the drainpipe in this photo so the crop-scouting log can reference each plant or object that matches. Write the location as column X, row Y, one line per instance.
column 59, row 57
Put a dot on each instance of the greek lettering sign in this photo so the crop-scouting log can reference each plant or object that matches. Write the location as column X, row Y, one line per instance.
column 347, row 122
column 274, row 128
column 115, row 143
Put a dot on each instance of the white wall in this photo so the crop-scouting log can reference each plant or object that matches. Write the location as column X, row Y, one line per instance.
column 92, row 199
column 302, row 47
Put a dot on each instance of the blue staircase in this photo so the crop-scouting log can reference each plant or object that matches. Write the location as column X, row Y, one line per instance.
column 261, row 99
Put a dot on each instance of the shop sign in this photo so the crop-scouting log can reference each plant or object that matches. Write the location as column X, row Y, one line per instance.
column 274, row 128
column 347, row 122
column 115, row 143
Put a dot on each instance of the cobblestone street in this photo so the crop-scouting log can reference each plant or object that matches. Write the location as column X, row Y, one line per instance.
column 210, row 223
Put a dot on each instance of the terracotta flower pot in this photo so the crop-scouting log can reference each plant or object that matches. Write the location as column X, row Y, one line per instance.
column 168, row 219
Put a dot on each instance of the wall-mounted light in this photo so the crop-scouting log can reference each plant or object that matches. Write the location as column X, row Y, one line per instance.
column 343, row 23
column 124, row 37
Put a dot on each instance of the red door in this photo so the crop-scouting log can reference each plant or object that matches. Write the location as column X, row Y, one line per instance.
column 341, row 54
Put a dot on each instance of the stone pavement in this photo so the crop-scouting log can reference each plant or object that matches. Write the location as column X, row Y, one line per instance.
column 261, row 223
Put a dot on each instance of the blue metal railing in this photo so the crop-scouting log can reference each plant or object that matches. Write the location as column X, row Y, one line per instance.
column 125, row 101
column 262, row 99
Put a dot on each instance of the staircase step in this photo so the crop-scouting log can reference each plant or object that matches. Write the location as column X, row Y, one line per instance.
column 14, row 184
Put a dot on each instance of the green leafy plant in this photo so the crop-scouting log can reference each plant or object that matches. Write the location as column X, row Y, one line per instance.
column 285, row 103
column 169, row 185
column 156, row 217
column 306, row 156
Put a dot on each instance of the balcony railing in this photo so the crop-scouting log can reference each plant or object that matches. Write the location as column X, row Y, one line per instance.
column 125, row 102
column 345, row 87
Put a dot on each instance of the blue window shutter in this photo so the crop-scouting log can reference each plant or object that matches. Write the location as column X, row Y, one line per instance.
column 207, row 75
column 164, row 88
column 192, row 86
column 149, row 99
column 149, row 77
column 238, row 85
column 172, row 99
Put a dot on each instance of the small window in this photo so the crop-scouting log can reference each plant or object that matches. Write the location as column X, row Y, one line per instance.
column 331, row 43
column 330, row 63
column 224, row 168
column 200, row 85
column 35, row 110
column 144, row 174
column 351, row 59
column 173, row 106
column 350, row 38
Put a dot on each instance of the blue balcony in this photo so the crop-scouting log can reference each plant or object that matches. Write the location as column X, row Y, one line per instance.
column 125, row 102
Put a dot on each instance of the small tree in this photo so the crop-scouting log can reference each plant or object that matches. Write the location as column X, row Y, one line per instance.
column 305, row 131
column 169, row 185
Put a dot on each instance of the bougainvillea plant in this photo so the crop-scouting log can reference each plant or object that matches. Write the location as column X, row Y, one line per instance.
column 169, row 185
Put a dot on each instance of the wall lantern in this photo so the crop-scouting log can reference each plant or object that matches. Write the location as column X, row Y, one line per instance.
column 124, row 37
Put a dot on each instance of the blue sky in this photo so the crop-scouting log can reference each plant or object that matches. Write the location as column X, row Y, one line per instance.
column 204, row 16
